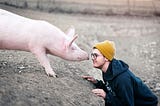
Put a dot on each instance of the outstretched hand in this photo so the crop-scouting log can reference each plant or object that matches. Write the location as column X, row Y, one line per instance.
column 90, row 78
column 99, row 92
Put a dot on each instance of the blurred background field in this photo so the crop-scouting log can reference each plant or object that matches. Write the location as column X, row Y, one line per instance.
column 105, row 7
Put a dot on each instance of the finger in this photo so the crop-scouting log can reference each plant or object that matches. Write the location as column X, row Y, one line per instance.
column 84, row 77
column 95, row 90
column 97, row 93
column 89, row 79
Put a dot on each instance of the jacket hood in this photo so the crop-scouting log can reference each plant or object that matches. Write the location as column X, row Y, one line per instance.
column 115, row 68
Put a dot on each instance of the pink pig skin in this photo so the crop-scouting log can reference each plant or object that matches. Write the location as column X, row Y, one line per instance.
column 38, row 37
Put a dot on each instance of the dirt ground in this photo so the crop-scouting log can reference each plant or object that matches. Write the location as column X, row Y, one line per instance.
column 24, row 82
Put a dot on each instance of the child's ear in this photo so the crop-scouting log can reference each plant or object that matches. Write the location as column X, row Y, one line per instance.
column 106, row 59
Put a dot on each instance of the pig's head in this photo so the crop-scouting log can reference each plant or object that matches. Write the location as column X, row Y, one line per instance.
column 72, row 51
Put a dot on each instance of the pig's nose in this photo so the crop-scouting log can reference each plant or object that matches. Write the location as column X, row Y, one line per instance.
column 88, row 57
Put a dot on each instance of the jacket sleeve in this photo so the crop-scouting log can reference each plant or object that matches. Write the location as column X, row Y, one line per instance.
column 110, row 99
column 124, row 93
column 100, row 85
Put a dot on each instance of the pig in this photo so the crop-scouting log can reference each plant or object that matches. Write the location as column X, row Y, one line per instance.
column 40, row 38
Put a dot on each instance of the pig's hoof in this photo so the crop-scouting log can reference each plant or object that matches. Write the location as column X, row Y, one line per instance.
column 55, row 76
column 52, row 75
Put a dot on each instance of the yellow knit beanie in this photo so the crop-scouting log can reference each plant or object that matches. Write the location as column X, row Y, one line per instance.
column 107, row 48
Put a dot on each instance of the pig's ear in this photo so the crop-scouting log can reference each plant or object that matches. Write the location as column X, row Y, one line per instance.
column 72, row 40
column 71, row 31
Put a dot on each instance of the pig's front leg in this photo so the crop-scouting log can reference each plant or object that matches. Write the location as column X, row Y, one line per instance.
column 44, row 61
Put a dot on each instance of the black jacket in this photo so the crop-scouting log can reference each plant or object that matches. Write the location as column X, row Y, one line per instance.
column 123, row 88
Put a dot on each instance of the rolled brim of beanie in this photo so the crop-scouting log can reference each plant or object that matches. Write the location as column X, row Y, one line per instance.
column 106, row 48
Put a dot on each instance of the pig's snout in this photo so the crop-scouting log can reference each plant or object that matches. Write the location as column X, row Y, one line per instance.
column 88, row 57
column 81, row 59
column 84, row 57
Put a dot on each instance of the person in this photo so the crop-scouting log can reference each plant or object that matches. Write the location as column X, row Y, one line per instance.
column 120, row 87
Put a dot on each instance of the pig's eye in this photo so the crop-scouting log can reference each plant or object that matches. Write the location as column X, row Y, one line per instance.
column 73, row 48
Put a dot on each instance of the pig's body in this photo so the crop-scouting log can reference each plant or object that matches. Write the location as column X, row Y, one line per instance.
column 38, row 37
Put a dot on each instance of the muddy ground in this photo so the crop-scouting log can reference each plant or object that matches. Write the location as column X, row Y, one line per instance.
column 24, row 82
